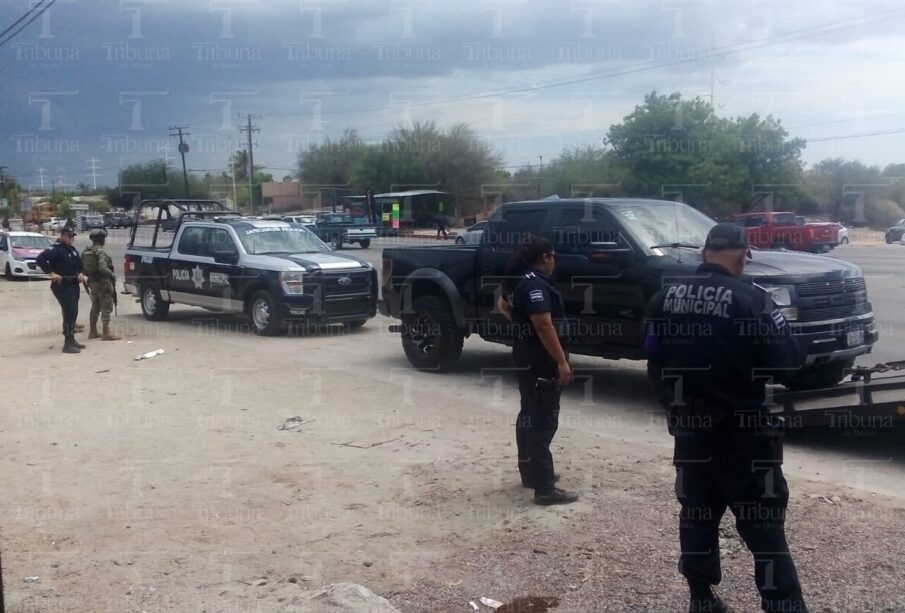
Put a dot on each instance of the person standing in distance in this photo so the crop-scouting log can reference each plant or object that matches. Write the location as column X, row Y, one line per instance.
column 713, row 342
column 537, row 309
column 63, row 264
column 98, row 266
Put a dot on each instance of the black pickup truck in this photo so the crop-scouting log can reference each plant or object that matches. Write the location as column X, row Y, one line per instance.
column 612, row 255
column 199, row 253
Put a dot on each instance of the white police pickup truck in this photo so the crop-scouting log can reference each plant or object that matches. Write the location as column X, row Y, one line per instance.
column 199, row 253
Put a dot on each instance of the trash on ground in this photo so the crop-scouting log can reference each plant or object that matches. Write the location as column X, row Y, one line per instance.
column 490, row 602
column 149, row 355
column 294, row 422
column 473, row 605
column 33, row 579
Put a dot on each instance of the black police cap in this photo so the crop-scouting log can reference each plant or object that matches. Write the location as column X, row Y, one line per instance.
column 726, row 236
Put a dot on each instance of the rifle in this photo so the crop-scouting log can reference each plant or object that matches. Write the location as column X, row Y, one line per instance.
column 115, row 299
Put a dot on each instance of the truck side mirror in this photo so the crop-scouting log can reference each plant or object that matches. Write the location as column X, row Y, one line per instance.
column 226, row 257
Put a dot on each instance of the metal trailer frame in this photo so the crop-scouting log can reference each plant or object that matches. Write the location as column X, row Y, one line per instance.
column 862, row 403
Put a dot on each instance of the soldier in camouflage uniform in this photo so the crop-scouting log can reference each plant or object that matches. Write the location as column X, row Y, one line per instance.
column 98, row 266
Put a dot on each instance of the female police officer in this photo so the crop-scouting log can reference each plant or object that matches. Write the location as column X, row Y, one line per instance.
column 537, row 309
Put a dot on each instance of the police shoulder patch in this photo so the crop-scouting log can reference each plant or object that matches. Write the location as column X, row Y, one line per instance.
column 536, row 295
column 778, row 318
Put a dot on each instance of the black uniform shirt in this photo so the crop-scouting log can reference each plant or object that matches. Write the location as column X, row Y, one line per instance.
column 718, row 339
column 535, row 293
column 62, row 259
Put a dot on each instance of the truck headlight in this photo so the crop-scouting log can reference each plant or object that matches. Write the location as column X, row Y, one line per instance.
column 781, row 295
column 291, row 282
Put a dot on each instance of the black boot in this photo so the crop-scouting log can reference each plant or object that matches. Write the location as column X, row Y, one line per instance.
column 69, row 346
column 555, row 496
column 703, row 600
column 76, row 344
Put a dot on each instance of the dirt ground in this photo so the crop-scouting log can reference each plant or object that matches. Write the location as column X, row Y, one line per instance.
column 168, row 484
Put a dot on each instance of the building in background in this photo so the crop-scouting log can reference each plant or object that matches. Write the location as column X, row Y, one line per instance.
column 282, row 196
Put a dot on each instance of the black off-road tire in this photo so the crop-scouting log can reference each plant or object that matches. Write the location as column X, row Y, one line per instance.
column 338, row 242
column 9, row 274
column 430, row 338
column 354, row 325
column 364, row 243
column 152, row 305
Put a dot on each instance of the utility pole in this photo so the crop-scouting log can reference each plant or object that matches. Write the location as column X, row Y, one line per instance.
column 2, row 184
column 41, row 177
column 183, row 149
column 93, row 168
column 251, row 162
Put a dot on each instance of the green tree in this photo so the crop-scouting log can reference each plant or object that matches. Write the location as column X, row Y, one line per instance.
column 670, row 147
column 856, row 193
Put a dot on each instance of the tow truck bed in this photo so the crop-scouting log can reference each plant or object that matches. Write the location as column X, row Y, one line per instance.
column 863, row 403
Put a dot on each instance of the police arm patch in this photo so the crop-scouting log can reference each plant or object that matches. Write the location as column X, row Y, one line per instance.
column 536, row 295
column 778, row 319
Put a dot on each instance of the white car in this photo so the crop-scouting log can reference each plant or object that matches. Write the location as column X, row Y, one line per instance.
column 472, row 234
column 18, row 252
column 54, row 224
column 842, row 237
column 305, row 220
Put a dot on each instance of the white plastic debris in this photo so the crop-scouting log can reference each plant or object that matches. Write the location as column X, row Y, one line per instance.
column 33, row 579
column 149, row 355
column 473, row 605
column 490, row 602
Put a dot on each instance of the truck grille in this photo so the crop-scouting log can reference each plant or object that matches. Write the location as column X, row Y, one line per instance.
column 348, row 306
column 835, row 299
column 344, row 284
column 836, row 286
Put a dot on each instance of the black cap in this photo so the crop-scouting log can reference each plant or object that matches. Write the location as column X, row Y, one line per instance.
column 726, row 236
column 67, row 229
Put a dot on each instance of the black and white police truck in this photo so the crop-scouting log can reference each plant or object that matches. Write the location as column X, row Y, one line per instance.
column 199, row 253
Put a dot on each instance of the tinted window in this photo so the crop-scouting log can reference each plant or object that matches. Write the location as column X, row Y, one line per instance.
column 752, row 222
column 3, row 242
column 578, row 227
column 192, row 241
column 784, row 219
column 515, row 225
column 218, row 239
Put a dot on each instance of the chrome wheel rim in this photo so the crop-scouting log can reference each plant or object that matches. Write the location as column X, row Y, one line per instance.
column 260, row 314
column 150, row 301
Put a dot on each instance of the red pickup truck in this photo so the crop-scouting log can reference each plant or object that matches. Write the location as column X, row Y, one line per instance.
column 783, row 231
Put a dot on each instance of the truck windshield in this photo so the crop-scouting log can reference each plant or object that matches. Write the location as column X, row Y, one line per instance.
column 259, row 241
column 659, row 224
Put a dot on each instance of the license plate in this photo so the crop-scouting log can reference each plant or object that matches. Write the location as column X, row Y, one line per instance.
column 854, row 338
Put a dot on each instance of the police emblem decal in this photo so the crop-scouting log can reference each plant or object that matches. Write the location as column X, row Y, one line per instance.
column 198, row 277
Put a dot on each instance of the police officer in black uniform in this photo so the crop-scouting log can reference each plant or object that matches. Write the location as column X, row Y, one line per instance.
column 714, row 341
column 63, row 264
column 536, row 307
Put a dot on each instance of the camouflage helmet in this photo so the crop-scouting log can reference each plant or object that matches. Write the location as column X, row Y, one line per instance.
column 97, row 235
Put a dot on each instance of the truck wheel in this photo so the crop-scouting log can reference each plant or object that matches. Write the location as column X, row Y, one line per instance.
column 9, row 274
column 152, row 305
column 338, row 242
column 354, row 325
column 265, row 315
column 889, row 239
column 819, row 377
column 364, row 243
column 430, row 337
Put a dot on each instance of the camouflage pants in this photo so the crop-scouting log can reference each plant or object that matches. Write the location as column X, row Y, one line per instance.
column 101, row 300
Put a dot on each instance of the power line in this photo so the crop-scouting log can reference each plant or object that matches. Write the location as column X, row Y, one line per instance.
column 20, row 19
column 49, row 4
column 824, row 139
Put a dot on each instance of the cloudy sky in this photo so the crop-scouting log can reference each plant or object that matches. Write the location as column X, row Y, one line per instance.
column 97, row 83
